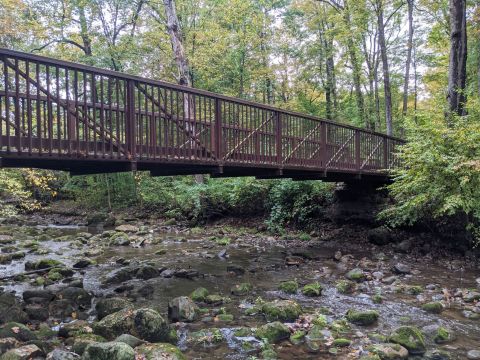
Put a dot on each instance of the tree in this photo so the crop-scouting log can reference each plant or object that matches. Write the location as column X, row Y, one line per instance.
column 410, row 4
column 457, row 69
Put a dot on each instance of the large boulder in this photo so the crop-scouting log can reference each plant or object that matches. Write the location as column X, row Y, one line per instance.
column 409, row 337
column 146, row 324
column 108, row 351
column 283, row 310
column 159, row 351
column 108, row 306
column 182, row 309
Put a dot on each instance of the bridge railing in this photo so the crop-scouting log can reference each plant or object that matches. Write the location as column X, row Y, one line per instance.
column 58, row 109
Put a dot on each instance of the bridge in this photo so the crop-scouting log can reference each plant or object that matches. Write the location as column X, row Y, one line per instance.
column 65, row 116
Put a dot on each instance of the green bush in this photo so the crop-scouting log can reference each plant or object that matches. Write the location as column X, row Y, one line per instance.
column 441, row 172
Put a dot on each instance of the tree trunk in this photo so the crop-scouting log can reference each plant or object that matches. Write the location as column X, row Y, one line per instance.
column 386, row 72
column 330, row 90
column 184, row 75
column 87, row 43
column 457, row 73
column 409, row 57
column 356, row 67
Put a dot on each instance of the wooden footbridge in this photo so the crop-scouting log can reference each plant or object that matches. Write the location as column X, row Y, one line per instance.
column 66, row 116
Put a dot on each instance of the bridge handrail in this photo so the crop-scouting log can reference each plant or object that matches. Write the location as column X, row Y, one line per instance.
column 92, row 69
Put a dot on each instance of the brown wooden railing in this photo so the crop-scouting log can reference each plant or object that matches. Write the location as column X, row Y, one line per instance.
column 57, row 110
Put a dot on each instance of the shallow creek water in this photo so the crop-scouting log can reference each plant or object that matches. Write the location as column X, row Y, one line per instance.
column 265, row 268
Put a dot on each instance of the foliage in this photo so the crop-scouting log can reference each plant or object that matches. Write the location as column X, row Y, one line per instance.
column 296, row 202
column 441, row 176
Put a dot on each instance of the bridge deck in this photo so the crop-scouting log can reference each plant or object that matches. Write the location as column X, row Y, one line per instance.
column 66, row 116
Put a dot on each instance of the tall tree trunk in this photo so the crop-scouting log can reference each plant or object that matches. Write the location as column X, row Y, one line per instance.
column 356, row 67
column 184, row 75
column 409, row 57
column 457, row 72
column 386, row 72
column 330, row 90
column 87, row 42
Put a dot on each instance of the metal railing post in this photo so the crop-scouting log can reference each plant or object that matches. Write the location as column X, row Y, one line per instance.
column 130, row 120
column 218, row 128
column 278, row 116
column 358, row 164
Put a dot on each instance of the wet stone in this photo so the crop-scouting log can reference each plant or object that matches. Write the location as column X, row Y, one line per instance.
column 401, row 269
column 109, row 351
column 473, row 354
column 17, row 331
column 7, row 344
column 25, row 352
column 182, row 309
column 108, row 306
column 59, row 354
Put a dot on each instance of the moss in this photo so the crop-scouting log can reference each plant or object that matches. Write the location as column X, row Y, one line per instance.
column 377, row 337
column 269, row 354
column 222, row 241
column 289, row 287
column 339, row 327
column 442, row 335
column 313, row 289
column 409, row 337
column 159, row 351
column 284, row 310
column 434, row 307
column 199, row 294
column 273, row 332
column 214, row 299
column 243, row 332
column 415, row 289
column 377, row 299
column 297, row 337
column 345, row 286
column 320, row 320
column 363, row 318
column 225, row 317
column 304, row 237
column 241, row 289
column 341, row 342
column 39, row 281
column 54, row 275
column 355, row 275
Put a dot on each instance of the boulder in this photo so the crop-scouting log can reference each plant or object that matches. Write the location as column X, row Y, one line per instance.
column 409, row 337
column 108, row 351
column 356, row 275
column 401, row 269
column 25, row 352
column 59, row 354
column 434, row 307
column 17, row 331
column 150, row 325
column 182, row 309
column 147, row 272
column 7, row 344
column 289, row 287
column 389, row 351
column 129, row 340
column 473, row 355
column 159, row 351
column 380, row 236
column 11, row 309
column 108, row 306
column 199, row 294
column 128, row 228
column 363, row 318
column 274, row 332
column 312, row 290
column 81, row 342
column 78, row 296
column 241, row 289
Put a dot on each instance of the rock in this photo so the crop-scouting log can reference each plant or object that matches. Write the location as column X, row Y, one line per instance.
column 78, row 296
column 43, row 264
column 236, row 269
column 119, row 239
column 108, row 351
column 17, row 331
column 168, row 273
column 59, row 354
column 436, row 354
column 340, row 342
column 312, row 290
column 7, row 344
column 11, row 310
column 130, row 340
column 472, row 296
column 83, row 263
column 119, row 276
column 389, row 351
column 298, row 337
column 356, row 275
column 74, row 328
column 473, row 355
column 109, row 306
column 389, row 280
column 289, row 287
column 182, row 309
column 409, row 337
column 186, row 273
column 404, row 246
column 241, row 289
column 150, row 325
column 199, row 294
column 377, row 275
column 443, row 335
column 25, row 352
column 127, row 228
column 147, row 272
column 284, row 310
column 363, row 318
column 380, row 236
column 80, row 342
column 159, row 351
column 146, row 324
column 61, row 309
column 214, row 299
column 274, row 332
column 434, row 307
column 477, row 281
column 37, row 312
column 401, row 269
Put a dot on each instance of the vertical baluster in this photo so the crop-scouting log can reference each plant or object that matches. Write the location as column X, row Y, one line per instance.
column 17, row 109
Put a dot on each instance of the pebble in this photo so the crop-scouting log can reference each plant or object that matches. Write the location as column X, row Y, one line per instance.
column 473, row 354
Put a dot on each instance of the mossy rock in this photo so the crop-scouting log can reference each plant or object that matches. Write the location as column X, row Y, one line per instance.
column 54, row 275
column 159, row 351
column 312, row 290
column 434, row 307
column 415, row 289
column 274, row 332
column 206, row 337
column 339, row 327
column 81, row 342
column 214, row 299
column 17, row 331
column 43, row 264
column 289, row 287
column 225, row 317
column 345, row 286
column 389, row 351
column 320, row 320
column 199, row 294
column 284, row 310
column 108, row 351
column 241, row 289
column 363, row 318
column 377, row 299
column 356, row 275
column 443, row 335
column 409, row 337
column 341, row 342
column 243, row 332
column 298, row 337
column 111, row 305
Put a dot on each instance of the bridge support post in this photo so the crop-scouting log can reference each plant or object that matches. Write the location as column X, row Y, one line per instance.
column 278, row 120
column 357, row 151
column 130, row 119
column 218, row 130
